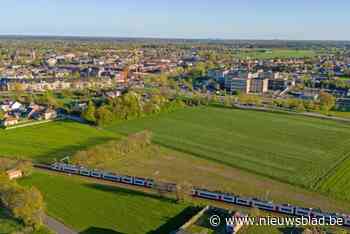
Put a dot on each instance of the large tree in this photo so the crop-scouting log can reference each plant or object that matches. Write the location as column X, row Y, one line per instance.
column 327, row 101
column 103, row 116
column 89, row 113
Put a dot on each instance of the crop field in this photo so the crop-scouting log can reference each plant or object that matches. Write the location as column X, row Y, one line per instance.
column 275, row 53
column 337, row 184
column 294, row 149
column 92, row 208
column 49, row 141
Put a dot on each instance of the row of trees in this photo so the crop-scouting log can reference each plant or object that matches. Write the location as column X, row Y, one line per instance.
column 22, row 203
column 325, row 103
column 130, row 106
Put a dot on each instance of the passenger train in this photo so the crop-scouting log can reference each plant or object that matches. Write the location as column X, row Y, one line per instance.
column 202, row 193
column 268, row 205
column 78, row 170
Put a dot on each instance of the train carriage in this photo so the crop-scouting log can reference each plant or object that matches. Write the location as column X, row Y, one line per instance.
column 346, row 220
column 127, row 179
column 70, row 169
column 84, row 171
column 243, row 201
column 96, row 174
column 285, row 209
column 54, row 166
column 111, row 176
column 228, row 198
column 306, row 212
column 264, row 205
column 139, row 181
column 207, row 195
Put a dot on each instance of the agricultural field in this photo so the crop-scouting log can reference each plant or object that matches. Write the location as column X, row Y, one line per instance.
column 337, row 183
column 94, row 208
column 46, row 142
column 275, row 53
column 294, row 149
column 186, row 170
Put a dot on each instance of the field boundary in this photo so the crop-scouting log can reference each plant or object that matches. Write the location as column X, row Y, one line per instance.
column 330, row 172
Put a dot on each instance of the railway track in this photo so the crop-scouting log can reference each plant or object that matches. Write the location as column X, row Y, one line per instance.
column 150, row 184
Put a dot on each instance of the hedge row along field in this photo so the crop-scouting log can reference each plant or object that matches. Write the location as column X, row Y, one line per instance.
column 299, row 150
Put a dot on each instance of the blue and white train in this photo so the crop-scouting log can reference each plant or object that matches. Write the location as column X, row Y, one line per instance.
column 109, row 176
column 202, row 193
column 268, row 205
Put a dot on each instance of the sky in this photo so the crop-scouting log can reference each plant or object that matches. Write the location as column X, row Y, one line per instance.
column 214, row 19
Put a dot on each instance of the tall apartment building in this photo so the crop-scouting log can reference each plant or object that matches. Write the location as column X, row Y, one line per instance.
column 259, row 85
column 218, row 74
column 237, row 84
column 277, row 84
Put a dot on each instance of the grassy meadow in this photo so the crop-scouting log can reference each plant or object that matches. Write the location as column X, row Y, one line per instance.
column 45, row 142
column 295, row 149
column 93, row 208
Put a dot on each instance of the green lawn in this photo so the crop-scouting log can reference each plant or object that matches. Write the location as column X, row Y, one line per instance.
column 296, row 149
column 48, row 141
column 275, row 53
column 92, row 209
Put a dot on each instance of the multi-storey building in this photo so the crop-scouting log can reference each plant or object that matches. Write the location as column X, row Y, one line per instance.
column 237, row 84
column 258, row 85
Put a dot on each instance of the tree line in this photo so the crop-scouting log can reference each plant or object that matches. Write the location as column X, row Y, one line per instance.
column 23, row 203
column 129, row 106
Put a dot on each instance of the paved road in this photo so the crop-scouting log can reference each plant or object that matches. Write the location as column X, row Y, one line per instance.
column 57, row 226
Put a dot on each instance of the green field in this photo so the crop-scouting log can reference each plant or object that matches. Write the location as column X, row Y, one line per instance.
column 91, row 208
column 296, row 149
column 337, row 184
column 275, row 53
column 49, row 141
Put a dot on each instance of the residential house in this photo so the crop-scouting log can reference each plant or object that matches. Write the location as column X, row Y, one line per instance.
column 9, row 121
column 49, row 114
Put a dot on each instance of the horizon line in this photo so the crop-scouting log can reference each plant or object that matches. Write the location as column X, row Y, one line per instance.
column 167, row 38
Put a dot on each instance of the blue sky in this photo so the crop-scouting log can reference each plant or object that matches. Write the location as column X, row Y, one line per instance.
column 227, row 19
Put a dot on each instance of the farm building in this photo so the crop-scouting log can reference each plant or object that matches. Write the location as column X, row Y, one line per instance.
column 14, row 174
